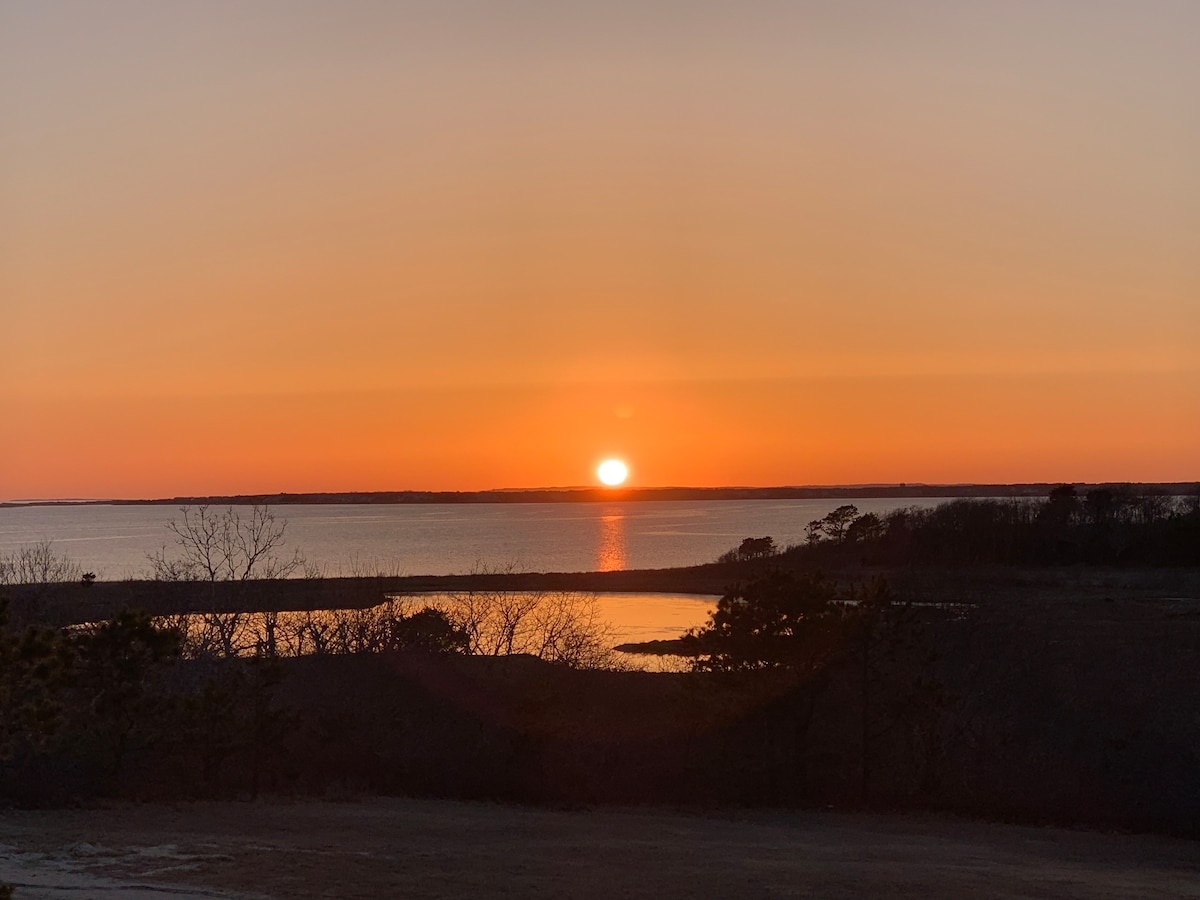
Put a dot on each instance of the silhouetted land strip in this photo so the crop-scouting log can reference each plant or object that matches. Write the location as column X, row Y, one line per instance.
column 1010, row 587
column 1000, row 658
column 67, row 604
column 610, row 495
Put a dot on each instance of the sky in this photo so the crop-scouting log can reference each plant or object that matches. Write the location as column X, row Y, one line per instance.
column 262, row 246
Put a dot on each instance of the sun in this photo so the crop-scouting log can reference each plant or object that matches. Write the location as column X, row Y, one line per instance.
column 612, row 472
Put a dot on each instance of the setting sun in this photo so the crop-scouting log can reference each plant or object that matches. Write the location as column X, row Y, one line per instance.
column 612, row 472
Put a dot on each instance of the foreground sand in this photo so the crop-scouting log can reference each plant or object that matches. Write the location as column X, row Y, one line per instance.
column 409, row 848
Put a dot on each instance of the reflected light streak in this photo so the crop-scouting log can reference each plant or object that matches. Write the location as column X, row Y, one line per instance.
column 610, row 551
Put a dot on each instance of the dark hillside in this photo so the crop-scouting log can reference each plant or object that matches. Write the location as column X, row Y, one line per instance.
column 1078, row 712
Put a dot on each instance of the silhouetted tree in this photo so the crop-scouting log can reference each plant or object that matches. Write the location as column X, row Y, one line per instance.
column 31, row 681
column 814, row 531
column 114, row 666
column 750, row 548
column 822, row 635
column 1101, row 506
column 779, row 620
column 430, row 630
column 868, row 527
column 557, row 626
column 38, row 563
column 836, row 523
column 225, row 546
column 1060, row 508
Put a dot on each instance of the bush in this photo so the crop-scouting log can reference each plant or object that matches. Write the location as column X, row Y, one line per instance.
column 38, row 564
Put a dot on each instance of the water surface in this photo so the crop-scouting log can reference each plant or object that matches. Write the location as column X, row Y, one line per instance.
column 444, row 539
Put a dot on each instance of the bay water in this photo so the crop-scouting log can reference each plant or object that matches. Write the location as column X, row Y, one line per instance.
column 114, row 541
column 442, row 539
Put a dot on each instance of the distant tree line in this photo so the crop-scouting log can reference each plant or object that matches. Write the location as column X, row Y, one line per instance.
column 1102, row 526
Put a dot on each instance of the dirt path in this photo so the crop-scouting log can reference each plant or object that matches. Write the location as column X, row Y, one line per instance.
column 425, row 849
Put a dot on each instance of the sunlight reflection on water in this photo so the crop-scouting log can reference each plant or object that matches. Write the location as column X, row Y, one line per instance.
column 629, row 618
column 610, row 554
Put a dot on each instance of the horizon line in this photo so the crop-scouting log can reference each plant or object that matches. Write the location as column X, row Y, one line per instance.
column 617, row 492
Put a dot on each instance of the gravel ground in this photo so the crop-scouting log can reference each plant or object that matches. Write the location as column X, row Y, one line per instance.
column 425, row 849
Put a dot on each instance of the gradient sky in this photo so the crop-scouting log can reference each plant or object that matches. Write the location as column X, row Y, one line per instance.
column 363, row 245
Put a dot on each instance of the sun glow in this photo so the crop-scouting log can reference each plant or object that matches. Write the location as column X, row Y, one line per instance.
column 612, row 472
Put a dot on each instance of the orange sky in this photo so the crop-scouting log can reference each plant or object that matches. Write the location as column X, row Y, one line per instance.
column 459, row 245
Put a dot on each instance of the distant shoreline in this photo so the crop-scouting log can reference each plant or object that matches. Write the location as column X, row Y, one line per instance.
column 612, row 495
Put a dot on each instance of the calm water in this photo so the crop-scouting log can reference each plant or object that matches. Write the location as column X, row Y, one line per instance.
column 628, row 617
column 113, row 541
